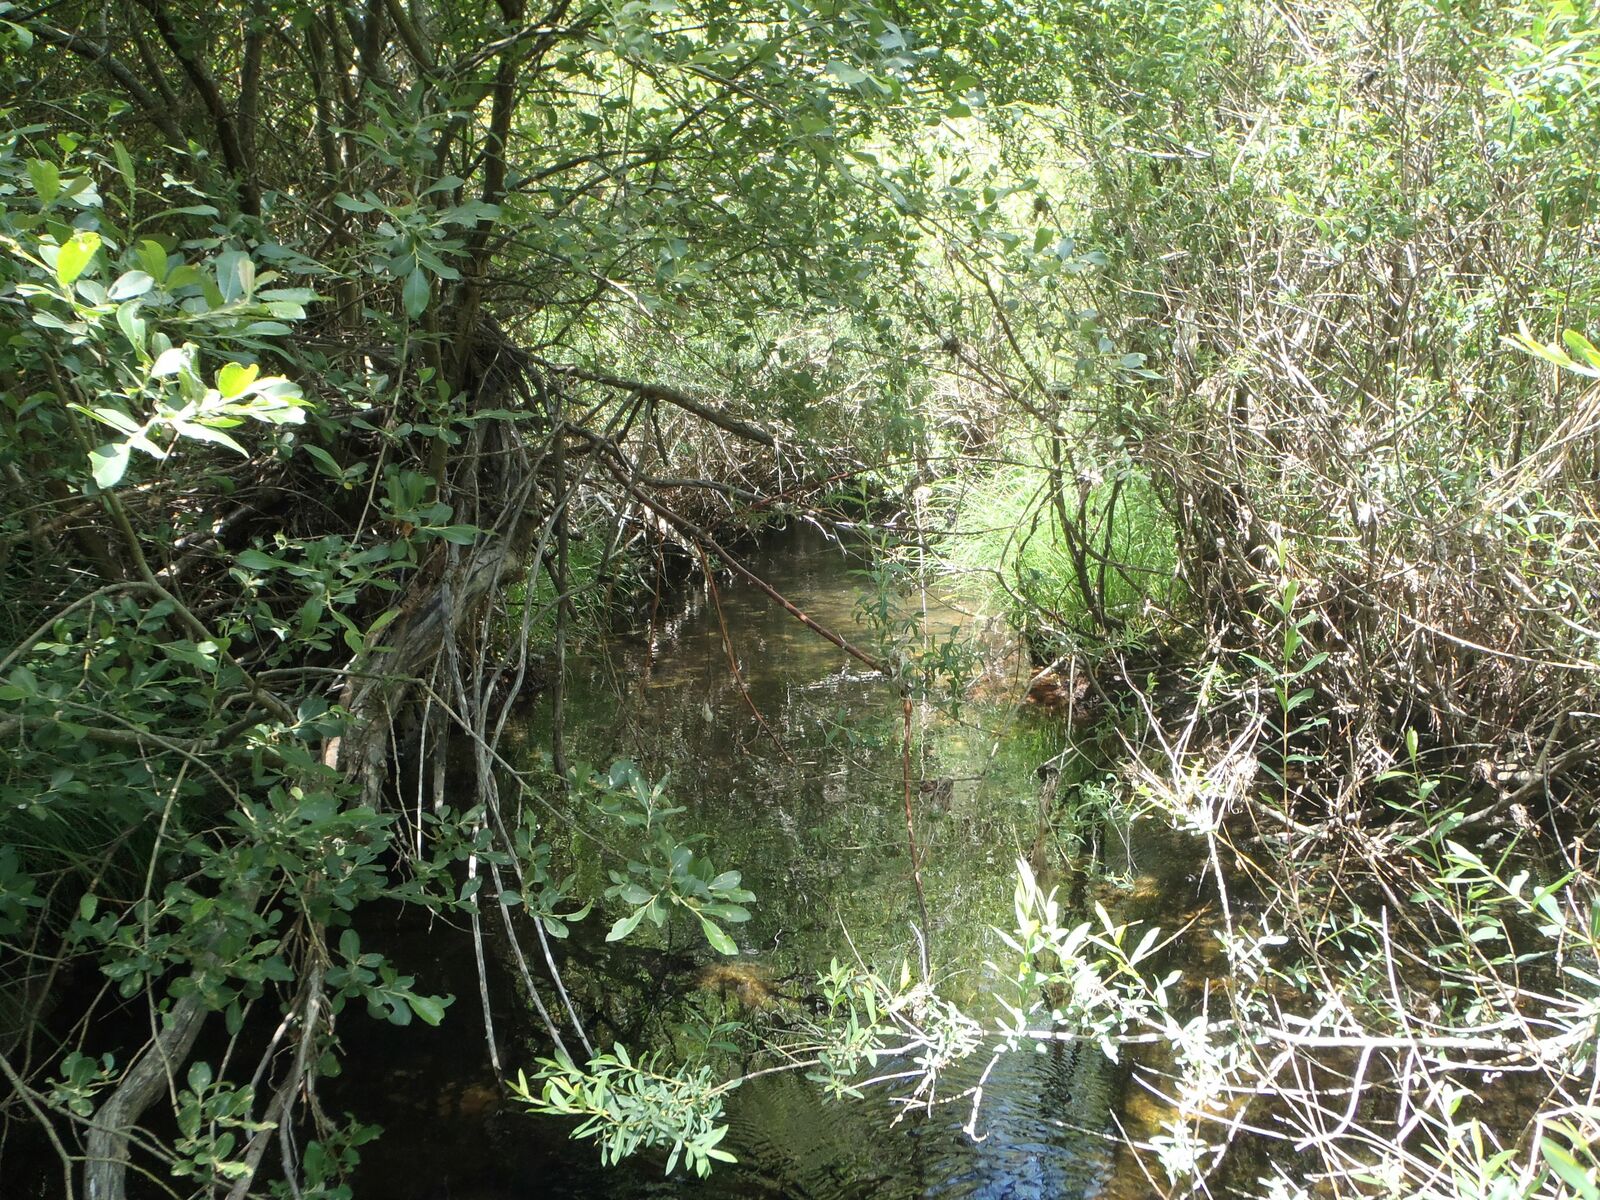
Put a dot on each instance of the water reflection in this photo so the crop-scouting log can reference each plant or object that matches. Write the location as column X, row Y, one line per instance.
column 806, row 801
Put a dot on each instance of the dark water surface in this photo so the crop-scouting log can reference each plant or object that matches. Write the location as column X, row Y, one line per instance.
column 817, row 827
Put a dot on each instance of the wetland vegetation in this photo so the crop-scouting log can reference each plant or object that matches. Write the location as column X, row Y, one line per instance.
column 653, row 597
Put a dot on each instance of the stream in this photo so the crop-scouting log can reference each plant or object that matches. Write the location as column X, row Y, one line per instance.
column 808, row 806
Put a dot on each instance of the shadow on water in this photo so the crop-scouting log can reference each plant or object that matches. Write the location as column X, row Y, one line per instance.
column 816, row 826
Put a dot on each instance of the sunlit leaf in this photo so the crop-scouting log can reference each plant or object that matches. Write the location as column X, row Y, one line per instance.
column 75, row 257
column 235, row 378
column 131, row 284
column 108, row 463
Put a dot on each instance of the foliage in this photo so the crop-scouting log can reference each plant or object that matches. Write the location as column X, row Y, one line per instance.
column 1256, row 331
column 627, row 1107
column 671, row 876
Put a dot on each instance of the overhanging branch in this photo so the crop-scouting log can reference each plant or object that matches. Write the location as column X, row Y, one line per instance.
column 671, row 395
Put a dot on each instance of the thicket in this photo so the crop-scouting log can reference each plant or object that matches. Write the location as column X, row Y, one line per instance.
column 1352, row 246
column 326, row 328
column 347, row 350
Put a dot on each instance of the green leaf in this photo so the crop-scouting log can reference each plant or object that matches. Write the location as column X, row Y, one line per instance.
column 461, row 535
column 428, row 1008
column 255, row 560
column 130, row 284
column 718, row 937
column 383, row 621
column 124, row 166
column 235, row 378
column 116, row 418
column 170, row 361
column 626, row 925
column 132, row 325
column 204, row 433
column 325, row 461
column 236, row 275
column 75, row 257
column 845, row 73
column 1582, row 348
column 415, row 295
column 153, row 258
column 1565, row 1165
column 46, row 180
column 109, row 463
column 200, row 1076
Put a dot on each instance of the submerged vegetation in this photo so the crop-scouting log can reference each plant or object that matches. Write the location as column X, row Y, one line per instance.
column 360, row 364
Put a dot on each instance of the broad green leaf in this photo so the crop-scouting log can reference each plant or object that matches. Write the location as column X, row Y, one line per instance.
column 200, row 1076
column 113, row 417
column 325, row 461
column 256, row 560
column 130, row 284
column 170, row 361
column 109, row 463
column 718, row 937
column 153, row 258
column 235, row 378
column 75, row 257
column 625, row 925
column 46, row 180
column 461, row 535
column 428, row 1008
column 293, row 295
column 205, row 433
column 415, row 295
column 236, row 275
column 132, row 325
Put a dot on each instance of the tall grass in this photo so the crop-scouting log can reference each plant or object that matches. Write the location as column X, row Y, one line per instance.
column 1004, row 531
